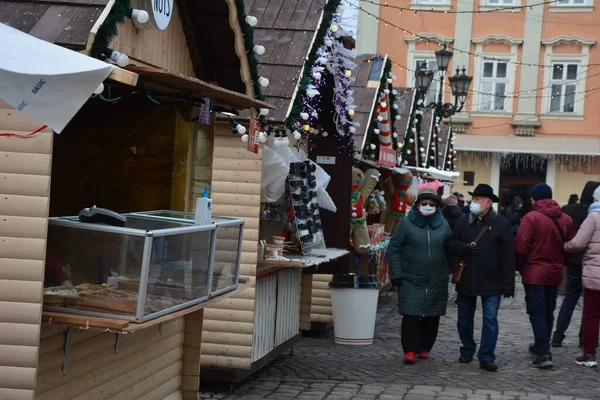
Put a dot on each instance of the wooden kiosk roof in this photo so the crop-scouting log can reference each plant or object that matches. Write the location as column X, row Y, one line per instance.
column 286, row 29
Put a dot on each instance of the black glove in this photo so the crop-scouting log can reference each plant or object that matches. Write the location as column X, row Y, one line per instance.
column 470, row 249
column 507, row 293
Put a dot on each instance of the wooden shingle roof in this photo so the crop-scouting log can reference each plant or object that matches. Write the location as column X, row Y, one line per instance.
column 286, row 29
column 64, row 22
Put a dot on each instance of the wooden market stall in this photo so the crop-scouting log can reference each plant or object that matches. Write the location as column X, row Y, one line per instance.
column 244, row 333
column 128, row 149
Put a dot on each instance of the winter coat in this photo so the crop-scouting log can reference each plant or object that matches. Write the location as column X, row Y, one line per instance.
column 417, row 258
column 540, row 246
column 452, row 214
column 514, row 216
column 588, row 239
column 492, row 272
column 579, row 212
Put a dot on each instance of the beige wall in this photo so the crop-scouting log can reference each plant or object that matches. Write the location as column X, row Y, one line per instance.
column 571, row 179
column 483, row 174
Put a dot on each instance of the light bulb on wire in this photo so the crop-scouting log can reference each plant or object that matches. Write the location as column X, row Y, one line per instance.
column 140, row 16
column 250, row 20
column 99, row 89
column 245, row 138
column 241, row 129
column 121, row 59
column 262, row 81
column 258, row 49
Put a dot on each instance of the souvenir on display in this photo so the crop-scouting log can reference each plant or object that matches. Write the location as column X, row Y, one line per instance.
column 363, row 184
column 398, row 197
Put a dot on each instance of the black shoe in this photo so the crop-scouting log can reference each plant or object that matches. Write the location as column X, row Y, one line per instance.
column 556, row 343
column 489, row 366
column 465, row 359
column 543, row 362
column 533, row 350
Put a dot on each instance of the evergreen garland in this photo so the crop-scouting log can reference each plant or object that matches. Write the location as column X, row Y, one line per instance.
column 305, row 79
column 248, row 33
column 449, row 164
column 415, row 123
column 109, row 28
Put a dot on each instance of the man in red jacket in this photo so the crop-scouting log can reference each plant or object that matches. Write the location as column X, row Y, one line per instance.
column 541, row 257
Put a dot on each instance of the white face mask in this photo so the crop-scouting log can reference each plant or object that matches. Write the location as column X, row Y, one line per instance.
column 427, row 210
column 475, row 208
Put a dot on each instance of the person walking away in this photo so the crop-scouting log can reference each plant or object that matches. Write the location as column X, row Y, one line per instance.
column 484, row 240
column 451, row 213
column 574, row 199
column 417, row 263
column 513, row 213
column 573, row 287
column 588, row 239
column 460, row 198
column 540, row 259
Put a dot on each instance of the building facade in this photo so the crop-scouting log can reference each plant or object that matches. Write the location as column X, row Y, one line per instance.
column 531, row 114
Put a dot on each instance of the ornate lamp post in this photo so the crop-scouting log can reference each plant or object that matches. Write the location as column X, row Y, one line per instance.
column 459, row 84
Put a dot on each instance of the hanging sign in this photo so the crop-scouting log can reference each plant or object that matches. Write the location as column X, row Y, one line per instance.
column 160, row 12
column 253, row 135
column 387, row 156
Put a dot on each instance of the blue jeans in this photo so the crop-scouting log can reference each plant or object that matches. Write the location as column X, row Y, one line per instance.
column 489, row 333
column 541, row 302
column 573, row 290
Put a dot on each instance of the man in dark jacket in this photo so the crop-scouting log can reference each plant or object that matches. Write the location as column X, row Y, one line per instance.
column 540, row 259
column 452, row 211
column 573, row 286
column 513, row 213
column 489, row 273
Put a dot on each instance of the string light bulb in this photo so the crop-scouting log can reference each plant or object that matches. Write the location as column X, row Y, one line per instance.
column 121, row 59
column 297, row 135
column 99, row 89
column 241, row 129
column 245, row 138
column 251, row 20
column 262, row 81
column 335, row 28
column 140, row 16
column 348, row 73
column 258, row 49
column 350, row 112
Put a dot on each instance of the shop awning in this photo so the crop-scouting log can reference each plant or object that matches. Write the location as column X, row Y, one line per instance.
column 529, row 145
column 168, row 82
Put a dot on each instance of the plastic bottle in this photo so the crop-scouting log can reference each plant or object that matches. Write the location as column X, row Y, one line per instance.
column 203, row 214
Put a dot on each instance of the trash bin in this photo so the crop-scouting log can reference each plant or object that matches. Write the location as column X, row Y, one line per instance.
column 354, row 302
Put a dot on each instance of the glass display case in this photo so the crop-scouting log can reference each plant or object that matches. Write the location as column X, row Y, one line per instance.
column 157, row 263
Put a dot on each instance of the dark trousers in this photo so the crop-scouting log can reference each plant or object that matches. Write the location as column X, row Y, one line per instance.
column 573, row 290
column 489, row 334
column 541, row 303
column 419, row 333
column 591, row 320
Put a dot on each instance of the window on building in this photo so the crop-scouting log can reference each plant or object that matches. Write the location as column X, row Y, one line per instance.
column 430, row 65
column 571, row 2
column 376, row 67
column 563, row 87
column 501, row 2
column 494, row 80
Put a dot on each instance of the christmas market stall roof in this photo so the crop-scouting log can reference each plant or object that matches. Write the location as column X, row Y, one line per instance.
column 286, row 29
column 213, row 33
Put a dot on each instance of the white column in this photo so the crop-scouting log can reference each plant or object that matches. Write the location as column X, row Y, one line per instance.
column 495, row 178
column 551, row 173
column 526, row 118
column 462, row 40
column 368, row 28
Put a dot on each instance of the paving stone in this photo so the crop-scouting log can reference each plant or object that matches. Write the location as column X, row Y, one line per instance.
column 453, row 395
column 488, row 392
column 391, row 397
column 444, row 397
column 553, row 397
column 419, row 397
column 457, row 390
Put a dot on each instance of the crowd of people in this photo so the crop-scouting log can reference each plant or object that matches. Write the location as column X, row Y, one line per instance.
column 482, row 251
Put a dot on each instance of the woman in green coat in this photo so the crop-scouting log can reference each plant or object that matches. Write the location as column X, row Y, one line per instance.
column 417, row 261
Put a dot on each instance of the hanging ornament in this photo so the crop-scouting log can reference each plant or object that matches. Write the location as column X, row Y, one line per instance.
column 352, row 129
column 334, row 28
column 350, row 112
column 329, row 43
column 297, row 135
column 304, row 115
column 306, row 127
column 422, row 149
column 373, row 147
column 348, row 73
column 262, row 137
column 316, row 75
column 376, row 131
column 324, row 134
column 400, row 145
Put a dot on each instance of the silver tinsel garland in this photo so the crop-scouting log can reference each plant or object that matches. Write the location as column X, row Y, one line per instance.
column 576, row 162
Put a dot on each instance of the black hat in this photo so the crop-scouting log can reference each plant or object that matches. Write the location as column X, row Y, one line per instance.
column 484, row 190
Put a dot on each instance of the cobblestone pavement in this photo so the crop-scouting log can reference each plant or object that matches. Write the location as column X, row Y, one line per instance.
column 319, row 369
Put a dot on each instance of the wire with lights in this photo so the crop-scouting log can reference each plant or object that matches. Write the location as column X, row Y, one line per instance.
column 432, row 10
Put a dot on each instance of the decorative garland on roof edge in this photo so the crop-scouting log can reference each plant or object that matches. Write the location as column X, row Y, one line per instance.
column 109, row 28
column 248, row 33
column 413, row 131
column 305, row 79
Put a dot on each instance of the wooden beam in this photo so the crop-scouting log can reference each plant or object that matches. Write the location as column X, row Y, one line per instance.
column 123, row 76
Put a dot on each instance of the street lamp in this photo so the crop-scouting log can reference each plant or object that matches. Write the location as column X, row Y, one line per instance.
column 459, row 84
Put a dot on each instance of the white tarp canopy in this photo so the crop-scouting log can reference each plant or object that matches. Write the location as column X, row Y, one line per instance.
column 47, row 82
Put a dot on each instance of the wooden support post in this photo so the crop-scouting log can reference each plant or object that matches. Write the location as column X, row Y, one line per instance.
column 305, row 301
column 190, row 373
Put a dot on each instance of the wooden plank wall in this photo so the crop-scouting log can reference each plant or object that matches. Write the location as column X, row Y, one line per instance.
column 320, row 310
column 289, row 283
column 145, row 365
column 166, row 49
column 24, row 201
column 236, row 176
column 266, row 313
